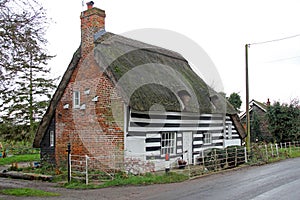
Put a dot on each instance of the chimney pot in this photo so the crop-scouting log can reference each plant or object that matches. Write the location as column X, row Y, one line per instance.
column 268, row 102
column 90, row 5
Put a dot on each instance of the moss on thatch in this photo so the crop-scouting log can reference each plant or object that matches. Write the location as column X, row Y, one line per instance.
column 132, row 64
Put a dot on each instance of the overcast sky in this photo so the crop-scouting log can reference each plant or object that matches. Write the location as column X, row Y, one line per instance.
column 221, row 28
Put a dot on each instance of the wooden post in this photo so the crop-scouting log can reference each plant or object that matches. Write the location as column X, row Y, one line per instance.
column 272, row 150
column 215, row 158
column 69, row 161
column 248, row 138
column 203, row 161
column 226, row 163
column 245, row 151
column 235, row 160
column 266, row 147
column 86, row 170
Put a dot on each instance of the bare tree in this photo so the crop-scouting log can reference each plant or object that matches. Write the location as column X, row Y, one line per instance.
column 26, row 85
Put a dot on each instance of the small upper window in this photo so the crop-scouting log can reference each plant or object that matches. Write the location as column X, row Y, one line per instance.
column 51, row 138
column 76, row 99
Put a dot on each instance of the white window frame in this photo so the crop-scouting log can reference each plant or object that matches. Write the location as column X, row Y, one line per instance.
column 207, row 138
column 168, row 143
column 76, row 99
column 51, row 138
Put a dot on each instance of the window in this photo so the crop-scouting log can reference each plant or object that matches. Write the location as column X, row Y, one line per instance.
column 168, row 143
column 207, row 138
column 51, row 138
column 76, row 99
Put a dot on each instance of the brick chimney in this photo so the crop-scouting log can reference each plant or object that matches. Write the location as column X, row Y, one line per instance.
column 268, row 102
column 92, row 21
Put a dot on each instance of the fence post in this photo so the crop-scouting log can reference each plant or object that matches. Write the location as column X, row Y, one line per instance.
column 266, row 152
column 280, row 145
column 235, row 160
column 226, row 163
column 69, row 161
column 245, row 152
column 272, row 150
column 215, row 159
column 86, row 170
column 276, row 145
column 203, row 161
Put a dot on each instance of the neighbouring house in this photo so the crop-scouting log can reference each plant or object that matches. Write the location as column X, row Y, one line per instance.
column 258, row 121
column 122, row 96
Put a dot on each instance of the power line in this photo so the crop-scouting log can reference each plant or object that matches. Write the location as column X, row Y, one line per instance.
column 283, row 59
column 275, row 40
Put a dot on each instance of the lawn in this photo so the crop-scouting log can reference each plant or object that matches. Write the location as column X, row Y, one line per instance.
column 28, row 192
column 147, row 179
column 19, row 158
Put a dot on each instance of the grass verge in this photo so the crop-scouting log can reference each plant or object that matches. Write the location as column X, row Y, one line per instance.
column 19, row 158
column 28, row 192
column 146, row 179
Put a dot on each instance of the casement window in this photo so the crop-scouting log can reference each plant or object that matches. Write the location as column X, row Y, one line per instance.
column 76, row 99
column 168, row 143
column 207, row 138
column 51, row 138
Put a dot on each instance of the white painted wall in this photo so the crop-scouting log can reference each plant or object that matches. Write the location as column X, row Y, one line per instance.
column 135, row 147
column 232, row 142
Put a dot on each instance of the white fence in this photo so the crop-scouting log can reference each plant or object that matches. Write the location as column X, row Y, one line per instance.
column 105, row 168
column 100, row 168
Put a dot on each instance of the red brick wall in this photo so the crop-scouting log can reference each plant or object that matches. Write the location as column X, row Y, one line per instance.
column 93, row 131
column 96, row 130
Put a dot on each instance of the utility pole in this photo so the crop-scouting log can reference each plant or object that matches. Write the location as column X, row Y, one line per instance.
column 248, row 141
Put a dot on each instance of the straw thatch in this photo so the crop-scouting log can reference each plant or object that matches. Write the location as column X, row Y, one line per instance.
column 145, row 75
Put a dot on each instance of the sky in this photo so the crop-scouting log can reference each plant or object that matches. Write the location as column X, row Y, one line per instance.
column 221, row 28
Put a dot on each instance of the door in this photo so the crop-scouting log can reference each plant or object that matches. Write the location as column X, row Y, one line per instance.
column 187, row 138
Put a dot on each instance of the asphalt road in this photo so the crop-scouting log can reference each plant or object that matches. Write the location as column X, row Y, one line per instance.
column 279, row 180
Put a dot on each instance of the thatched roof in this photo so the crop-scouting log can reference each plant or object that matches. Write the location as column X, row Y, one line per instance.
column 145, row 75
column 149, row 74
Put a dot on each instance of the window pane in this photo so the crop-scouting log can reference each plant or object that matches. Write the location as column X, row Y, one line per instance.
column 76, row 99
column 51, row 138
column 168, row 143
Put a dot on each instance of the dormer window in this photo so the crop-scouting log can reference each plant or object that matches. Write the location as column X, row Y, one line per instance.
column 76, row 99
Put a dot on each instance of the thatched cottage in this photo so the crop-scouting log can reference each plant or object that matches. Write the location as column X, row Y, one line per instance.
column 121, row 96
